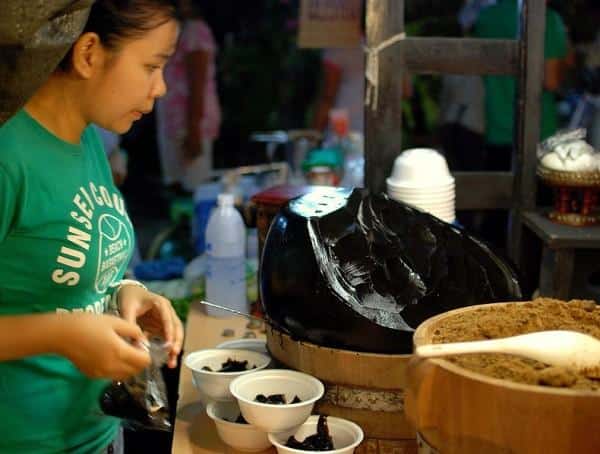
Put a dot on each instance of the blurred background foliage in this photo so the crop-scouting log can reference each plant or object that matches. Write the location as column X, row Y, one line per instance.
column 267, row 83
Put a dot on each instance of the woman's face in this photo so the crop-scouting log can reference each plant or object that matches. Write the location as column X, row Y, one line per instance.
column 131, row 79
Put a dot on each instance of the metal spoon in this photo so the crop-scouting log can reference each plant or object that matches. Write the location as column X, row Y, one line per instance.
column 557, row 348
column 234, row 311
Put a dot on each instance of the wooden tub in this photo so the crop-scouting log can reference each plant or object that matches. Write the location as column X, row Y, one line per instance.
column 366, row 388
column 458, row 411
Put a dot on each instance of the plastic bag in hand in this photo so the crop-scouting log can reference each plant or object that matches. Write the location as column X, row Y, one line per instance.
column 141, row 401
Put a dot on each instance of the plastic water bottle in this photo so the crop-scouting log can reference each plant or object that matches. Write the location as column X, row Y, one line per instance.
column 226, row 252
column 205, row 199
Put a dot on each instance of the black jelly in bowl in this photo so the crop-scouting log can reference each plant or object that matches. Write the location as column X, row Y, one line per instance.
column 346, row 269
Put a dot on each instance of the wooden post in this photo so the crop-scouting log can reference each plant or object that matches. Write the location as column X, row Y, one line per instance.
column 532, row 25
column 383, row 125
column 460, row 56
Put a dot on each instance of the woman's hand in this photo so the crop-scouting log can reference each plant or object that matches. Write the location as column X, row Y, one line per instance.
column 98, row 345
column 154, row 314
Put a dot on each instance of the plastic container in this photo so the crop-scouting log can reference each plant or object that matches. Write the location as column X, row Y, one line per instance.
column 255, row 345
column 242, row 437
column 420, row 168
column 205, row 199
column 214, row 384
column 282, row 417
column 194, row 275
column 346, row 436
column 226, row 252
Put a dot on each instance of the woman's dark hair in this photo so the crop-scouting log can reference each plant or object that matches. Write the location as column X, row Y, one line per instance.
column 117, row 20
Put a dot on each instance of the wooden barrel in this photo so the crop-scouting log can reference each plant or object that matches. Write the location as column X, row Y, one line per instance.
column 366, row 388
column 458, row 411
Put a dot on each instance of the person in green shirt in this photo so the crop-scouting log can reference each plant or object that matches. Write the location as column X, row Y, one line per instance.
column 66, row 238
column 500, row 22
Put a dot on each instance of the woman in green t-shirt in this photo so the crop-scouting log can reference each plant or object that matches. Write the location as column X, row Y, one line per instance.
column 65, row 237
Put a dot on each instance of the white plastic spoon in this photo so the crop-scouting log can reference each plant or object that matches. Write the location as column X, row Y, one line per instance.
column 557, row 348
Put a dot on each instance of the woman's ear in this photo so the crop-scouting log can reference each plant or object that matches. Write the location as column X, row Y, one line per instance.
column 88, row 55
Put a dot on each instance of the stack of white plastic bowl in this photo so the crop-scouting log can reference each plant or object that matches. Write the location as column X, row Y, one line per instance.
column 420, row 177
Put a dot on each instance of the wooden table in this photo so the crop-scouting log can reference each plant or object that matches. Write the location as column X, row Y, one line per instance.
column 560, row 246
column 195, row 432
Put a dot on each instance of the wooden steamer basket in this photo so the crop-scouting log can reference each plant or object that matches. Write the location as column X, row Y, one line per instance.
column 458, row 411
column 575, row 196
column 366, row 388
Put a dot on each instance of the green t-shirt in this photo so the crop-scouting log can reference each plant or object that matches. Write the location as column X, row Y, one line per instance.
column 500, row 22
column 65, row 239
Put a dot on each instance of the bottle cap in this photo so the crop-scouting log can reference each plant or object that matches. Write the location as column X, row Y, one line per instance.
column 225, row 200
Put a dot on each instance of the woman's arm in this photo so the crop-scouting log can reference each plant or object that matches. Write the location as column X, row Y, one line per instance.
column 28, row 335
column 97, row 344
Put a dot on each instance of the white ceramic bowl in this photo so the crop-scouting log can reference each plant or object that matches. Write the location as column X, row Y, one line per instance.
column 202, row 397
column 450, row 219
column 446, row 217
column 442, row 214
column 276, row 418
column 420, row 167
column 424, row 198
column 434, row 209
column 447, row 205
column 243, row 437
column 422, row 185
column 215, row 385
column 430, row 191
column 346, row 435
column 447, row 214
column 412, row 188
column 433, row 206
column 255, row 345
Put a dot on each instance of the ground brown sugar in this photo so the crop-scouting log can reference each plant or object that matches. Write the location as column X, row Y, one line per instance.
column 513, row 319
